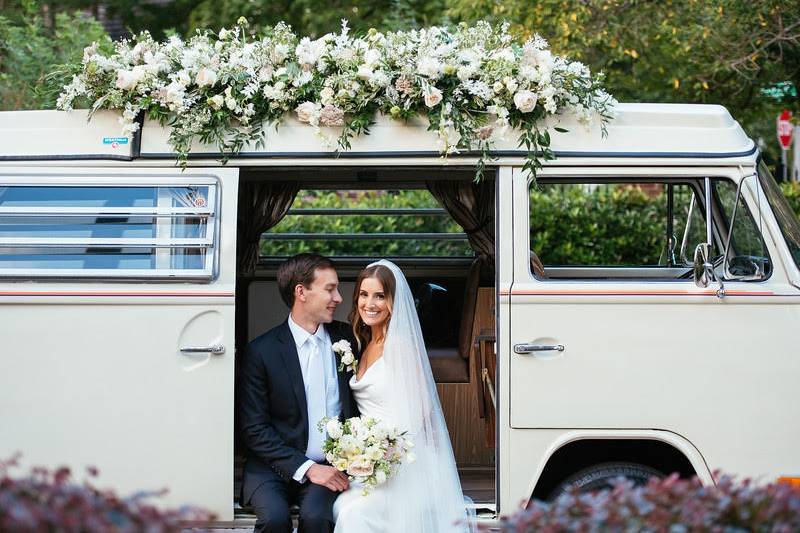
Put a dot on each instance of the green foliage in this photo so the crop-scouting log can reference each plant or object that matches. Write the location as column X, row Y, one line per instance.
column 307, row 17
column 695, row 51
column 32, row 55
column 617, row 225
column 791, row 191
column 366, row 224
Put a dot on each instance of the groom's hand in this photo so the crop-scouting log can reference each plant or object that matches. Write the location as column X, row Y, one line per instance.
column 327, row 476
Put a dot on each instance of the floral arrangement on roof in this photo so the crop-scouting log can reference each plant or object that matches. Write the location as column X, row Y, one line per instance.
column 474, row 84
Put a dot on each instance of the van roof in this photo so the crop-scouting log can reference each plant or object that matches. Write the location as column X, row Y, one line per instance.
column 639, row 130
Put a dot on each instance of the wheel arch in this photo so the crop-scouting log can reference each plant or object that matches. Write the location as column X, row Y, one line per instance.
column 575, row 450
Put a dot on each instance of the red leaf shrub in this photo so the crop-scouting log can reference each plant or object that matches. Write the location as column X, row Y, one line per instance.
column 669, row 505
column 50, row 501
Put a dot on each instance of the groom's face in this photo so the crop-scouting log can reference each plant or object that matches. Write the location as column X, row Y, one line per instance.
column 321, row 298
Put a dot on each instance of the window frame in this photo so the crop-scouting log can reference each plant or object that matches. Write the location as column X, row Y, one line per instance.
column 639, row 273
column 210, row 243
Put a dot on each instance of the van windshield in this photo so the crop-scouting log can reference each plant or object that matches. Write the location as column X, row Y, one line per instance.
column 787, row 219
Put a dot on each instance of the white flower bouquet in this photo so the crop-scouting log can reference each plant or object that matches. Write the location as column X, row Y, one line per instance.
column 472, row 83
column 347, row 360
column 364, row 448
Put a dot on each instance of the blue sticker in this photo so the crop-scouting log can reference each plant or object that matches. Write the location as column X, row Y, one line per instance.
column 115, row 141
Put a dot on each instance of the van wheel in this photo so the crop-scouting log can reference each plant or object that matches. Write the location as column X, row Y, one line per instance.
column 600, row 476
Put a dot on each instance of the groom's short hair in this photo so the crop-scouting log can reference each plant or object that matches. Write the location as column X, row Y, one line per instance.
column 299, row 269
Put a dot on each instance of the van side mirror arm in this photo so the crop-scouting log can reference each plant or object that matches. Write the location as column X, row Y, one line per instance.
column 703, row 270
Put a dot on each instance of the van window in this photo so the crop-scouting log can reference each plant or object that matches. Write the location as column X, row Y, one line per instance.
column 632, row 229
column 107, row 231
column 366, row 224
column 615, row 226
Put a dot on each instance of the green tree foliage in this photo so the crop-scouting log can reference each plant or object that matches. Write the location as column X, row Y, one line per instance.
column 33, row 50
column 366, row 224
column 698, row 51
column 308, row 17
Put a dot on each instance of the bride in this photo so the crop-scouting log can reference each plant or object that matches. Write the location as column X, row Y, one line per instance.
column 394, row 383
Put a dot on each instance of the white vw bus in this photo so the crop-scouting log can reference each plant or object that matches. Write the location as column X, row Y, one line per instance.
column 127, row 286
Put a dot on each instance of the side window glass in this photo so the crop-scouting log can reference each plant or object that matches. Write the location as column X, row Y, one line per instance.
column 107, row 231
column 747, row 256
column 615, row 230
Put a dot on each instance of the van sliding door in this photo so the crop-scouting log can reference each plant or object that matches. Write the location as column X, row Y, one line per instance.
column 117, row 312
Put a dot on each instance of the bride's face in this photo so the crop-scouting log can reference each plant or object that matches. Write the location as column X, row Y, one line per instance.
column 373, row 305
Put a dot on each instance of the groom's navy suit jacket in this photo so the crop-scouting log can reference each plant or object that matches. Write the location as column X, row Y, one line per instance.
column 273, row 415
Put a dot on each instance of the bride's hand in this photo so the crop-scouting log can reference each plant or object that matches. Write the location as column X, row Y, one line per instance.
column 328, row 476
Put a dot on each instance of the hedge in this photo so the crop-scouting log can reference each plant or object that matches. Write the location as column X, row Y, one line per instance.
column 628, row 225
column 669, row 505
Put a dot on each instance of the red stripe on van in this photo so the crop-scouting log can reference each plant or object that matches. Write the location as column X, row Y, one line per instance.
column 632, row 293
column 80, row 293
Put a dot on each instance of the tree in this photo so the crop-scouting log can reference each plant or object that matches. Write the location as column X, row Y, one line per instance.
column 33, row 50
column 697, row 51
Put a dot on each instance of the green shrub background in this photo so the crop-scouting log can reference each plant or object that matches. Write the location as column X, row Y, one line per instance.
column 627, row 226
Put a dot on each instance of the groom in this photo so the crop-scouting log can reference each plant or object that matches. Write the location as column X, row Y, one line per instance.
column 289, row 381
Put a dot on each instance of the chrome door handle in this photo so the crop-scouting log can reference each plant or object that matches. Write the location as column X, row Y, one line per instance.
column 216, row 349
column 530, row 348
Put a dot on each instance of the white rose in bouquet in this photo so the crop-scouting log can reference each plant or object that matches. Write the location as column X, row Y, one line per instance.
column 360, row 466
column 128, row 79
column 307, row 112
column 432, row 97
column 525, row 101
column 216, row 101
column 334, row 428
column 206, row 77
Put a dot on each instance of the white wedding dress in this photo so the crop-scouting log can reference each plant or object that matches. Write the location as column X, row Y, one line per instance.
column 354, row 512
column 424, row 496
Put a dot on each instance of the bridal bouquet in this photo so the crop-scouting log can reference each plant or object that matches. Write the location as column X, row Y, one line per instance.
column 367, row 450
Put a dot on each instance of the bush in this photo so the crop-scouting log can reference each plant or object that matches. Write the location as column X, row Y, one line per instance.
column 791, row 190
column 33, row 55
column 667, row 505
column 50, row 501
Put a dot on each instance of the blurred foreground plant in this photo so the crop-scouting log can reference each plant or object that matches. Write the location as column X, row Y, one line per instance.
column 49, row 500
column 667, row 505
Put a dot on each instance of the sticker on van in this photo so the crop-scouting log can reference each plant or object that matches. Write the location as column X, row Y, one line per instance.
column 115, row 141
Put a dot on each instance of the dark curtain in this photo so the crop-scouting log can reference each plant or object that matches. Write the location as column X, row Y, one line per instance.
column 262, row 204
column 472, row 206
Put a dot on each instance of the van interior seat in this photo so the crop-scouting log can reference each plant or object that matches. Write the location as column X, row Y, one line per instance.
column 451, row 364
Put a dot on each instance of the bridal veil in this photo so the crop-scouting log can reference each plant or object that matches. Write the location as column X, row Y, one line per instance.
column 426, row 495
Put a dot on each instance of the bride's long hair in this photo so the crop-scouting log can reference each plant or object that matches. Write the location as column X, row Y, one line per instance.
column 361, row 331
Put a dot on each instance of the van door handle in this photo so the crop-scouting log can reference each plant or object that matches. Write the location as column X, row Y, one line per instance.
column 216, row 349
column 523, row 349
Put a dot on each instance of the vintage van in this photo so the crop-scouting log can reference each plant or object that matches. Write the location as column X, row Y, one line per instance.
column 128, row 285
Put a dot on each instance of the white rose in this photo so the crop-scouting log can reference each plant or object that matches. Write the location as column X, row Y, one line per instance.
column 216, row 101
column 374, row 453
column 433, row 97
column 175, row 93
column 511, row 84
column 127, row 79
column 340, row 464
column 348, row 358
column 498, row 87
column 334, row 428
column 525, row 101
column 206, row 77
column 326, row 97
column 306, row 112
column 360, row 466
column 364, row 72
column 230, row 103
column 371, row 57
column 430, row 67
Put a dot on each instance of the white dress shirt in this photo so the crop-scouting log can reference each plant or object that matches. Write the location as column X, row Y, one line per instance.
column 316, row 367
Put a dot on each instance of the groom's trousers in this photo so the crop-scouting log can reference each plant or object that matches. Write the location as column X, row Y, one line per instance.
column 274, row 496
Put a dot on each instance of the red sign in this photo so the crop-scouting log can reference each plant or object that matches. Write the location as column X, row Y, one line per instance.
column 785, row 129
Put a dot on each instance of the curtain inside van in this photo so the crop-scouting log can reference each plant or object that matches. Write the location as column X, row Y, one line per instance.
column 262, row 204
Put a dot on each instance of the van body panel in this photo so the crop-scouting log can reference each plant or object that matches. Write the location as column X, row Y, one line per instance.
column 93, row 373
column 658, row 354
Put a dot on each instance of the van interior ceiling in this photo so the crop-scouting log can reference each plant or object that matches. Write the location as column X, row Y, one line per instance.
column 434, row 223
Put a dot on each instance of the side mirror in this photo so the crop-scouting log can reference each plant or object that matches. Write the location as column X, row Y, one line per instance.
column 703, row 269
